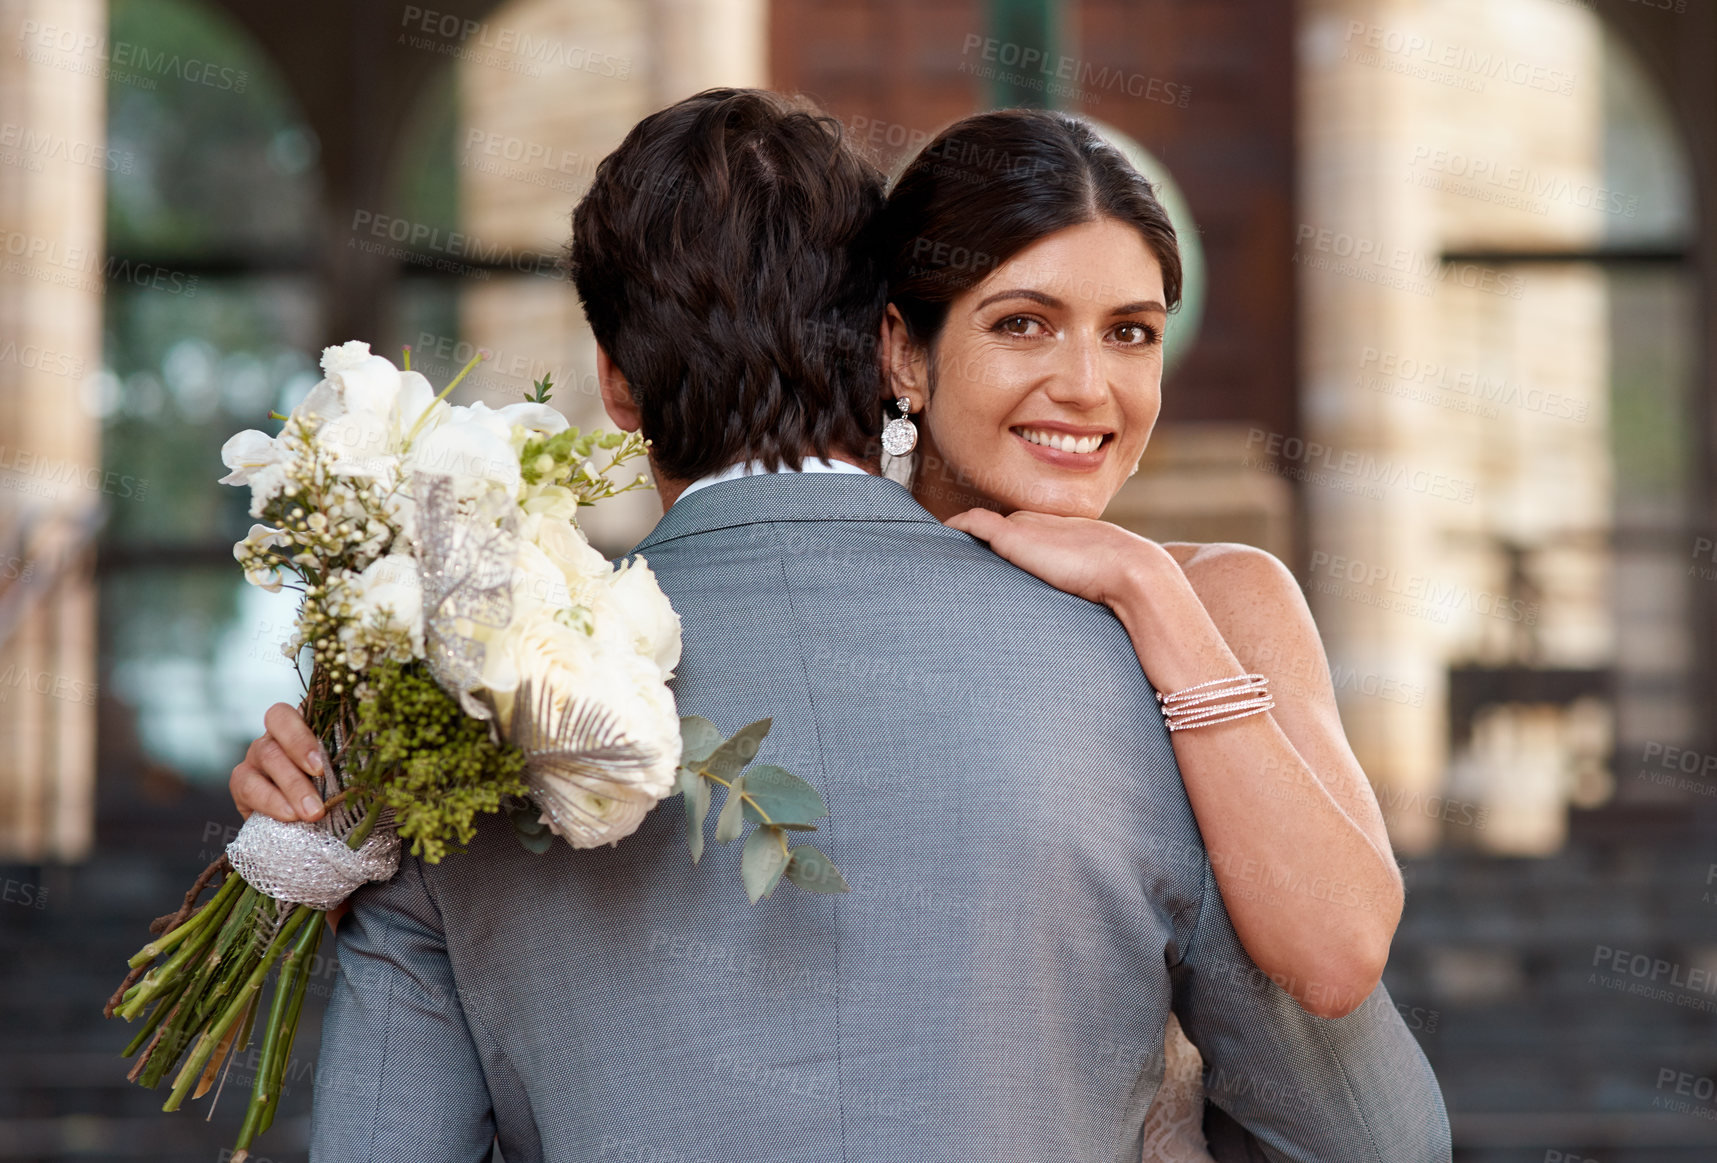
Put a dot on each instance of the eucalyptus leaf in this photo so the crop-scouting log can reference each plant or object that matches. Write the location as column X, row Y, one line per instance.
column 696, row 790
column 698, row 737
column 731, row 822
column 534, row 835
column 763, row 861
column 814, row 872
column 786, row 799
column 730, row 758
column 538, row 844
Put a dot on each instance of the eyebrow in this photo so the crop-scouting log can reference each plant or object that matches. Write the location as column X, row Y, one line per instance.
column 1052, row 302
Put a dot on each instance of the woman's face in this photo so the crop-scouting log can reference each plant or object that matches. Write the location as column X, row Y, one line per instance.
column 1048, row 377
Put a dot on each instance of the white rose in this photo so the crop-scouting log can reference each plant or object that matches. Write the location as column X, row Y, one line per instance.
column 568, row 668
column 538, row 581
column 637, row 613
column 578, row 561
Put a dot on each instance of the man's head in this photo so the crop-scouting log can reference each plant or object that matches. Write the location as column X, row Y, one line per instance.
column 725, row 257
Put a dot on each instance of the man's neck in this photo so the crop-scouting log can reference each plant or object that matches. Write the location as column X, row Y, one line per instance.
column 670, row 488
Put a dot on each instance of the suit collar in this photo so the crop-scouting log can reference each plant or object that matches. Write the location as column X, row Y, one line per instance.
column 753, row 500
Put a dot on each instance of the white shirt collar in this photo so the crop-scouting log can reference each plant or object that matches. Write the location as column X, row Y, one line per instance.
column 755, row 468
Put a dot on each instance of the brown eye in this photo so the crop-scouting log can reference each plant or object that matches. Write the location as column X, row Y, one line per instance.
column 1016, row 325
column 1136, row 334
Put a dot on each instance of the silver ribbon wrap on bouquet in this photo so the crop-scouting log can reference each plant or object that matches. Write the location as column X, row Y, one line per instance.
column 307, row 864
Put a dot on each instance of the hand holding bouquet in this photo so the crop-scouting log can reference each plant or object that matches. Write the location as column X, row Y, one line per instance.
column 470, row 652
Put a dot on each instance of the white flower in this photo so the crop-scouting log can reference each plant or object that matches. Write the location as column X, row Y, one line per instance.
column 366, row 409
column 472, row 444
column 385, row 603
column 535, row 419
column 360, row 443
column 415, row 397
column 561, row 542
column 399, row 509
column 347, row 355
column 252, row 553
column 554, row 503
column 638, row 613
column 369, row 385
column 246, row 453
column 258, row 460
column 322, row 404
column 538, row 581
column 567, row 667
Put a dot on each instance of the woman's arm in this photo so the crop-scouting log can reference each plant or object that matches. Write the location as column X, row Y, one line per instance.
column 1293, row 830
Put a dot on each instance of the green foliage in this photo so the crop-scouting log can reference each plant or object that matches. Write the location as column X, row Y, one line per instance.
column 536, row 836
column 781, row 799
column 433, row 765
column 565, row 459
column 771, row 797
column 544, row 388
column 763, row 862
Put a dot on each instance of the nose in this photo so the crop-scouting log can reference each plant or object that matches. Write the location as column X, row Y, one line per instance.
column 1079, row 380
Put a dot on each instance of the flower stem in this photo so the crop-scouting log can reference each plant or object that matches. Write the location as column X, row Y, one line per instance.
column 442, row 395
column 265, row 1095
column 160, row 979
column 365, row 826
column 215, row 1031
column 199, row 918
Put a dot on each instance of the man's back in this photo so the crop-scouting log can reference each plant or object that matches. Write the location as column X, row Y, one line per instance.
column 1025, row 871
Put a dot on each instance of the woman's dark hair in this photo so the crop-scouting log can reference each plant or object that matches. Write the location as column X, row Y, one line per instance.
column 726, row 258
column 991, row 185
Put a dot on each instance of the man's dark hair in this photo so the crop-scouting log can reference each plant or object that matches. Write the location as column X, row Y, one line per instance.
column 725, row 256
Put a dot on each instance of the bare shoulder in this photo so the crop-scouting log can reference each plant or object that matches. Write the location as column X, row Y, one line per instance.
column 1237, row 575
column 1257, row 605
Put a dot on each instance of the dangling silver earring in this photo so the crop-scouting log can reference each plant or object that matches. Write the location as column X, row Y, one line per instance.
column 900, row 435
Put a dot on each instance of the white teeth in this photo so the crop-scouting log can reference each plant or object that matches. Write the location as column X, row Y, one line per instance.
column 1062, row 440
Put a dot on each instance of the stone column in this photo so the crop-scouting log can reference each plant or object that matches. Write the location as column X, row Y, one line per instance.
column 52, row 141
column 1455, row 515
column 1356, row 215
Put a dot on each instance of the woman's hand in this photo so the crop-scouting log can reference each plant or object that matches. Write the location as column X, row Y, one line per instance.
column 274, row 777
column 1086, row 558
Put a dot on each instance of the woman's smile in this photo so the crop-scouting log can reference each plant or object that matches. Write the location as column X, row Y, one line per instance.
column 1080, row 448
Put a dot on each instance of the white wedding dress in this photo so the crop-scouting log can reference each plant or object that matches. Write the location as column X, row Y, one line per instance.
column 1174, row 1126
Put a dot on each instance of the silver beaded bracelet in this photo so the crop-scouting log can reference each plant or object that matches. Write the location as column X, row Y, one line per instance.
column 1217, row 701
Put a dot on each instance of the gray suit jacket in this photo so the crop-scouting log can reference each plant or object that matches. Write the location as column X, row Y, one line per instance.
column 1030, row 896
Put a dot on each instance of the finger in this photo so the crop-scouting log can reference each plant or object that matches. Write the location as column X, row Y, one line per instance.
column 288, row 728
column 293, row 784
column 253, row 791
column 980, row 523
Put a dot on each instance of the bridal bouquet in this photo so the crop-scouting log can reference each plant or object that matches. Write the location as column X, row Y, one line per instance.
column 470, row 652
